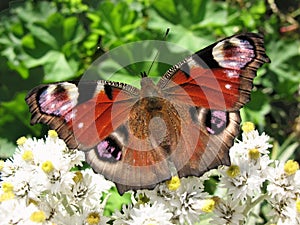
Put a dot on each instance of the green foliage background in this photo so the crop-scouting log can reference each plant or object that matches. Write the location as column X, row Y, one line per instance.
column 49, row 41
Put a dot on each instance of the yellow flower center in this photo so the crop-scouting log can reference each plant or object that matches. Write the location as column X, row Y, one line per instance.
column 7, row 187
column 254, row 154
column 78, row 177
column 291, row 167
column 208, row 206
column 173, row 184
column 93, row 218
column 27, row 155
column 233, row 171
column 52, row 134
column 47, row 166
column 150, row 222
column 248, row 126
column 38, row 217
column 21, row 141
column 298, row 205
column 6, row 196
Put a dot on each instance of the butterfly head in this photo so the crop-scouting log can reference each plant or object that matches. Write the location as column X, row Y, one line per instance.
column 148, row 88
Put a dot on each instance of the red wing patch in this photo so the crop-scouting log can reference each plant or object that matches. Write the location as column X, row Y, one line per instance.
column 81, row 125
column 95, row 119
column 218, row 77
column 209, row 88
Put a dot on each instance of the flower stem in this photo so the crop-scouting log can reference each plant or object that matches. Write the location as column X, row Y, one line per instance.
column 251, row 205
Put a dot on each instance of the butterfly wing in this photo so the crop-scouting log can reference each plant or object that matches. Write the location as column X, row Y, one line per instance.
column 219, row 76
column 83, row 114
column 210, row 150
column 140, row 165
column 216, row 82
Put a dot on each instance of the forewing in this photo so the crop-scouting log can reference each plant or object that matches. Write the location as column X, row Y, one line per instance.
column 83, row 114
column 218, row 77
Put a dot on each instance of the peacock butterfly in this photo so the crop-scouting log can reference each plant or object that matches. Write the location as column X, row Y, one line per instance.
column 184, row 124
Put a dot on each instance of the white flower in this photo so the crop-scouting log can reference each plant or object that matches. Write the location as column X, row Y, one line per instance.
column 121, row 216
column 284, row 191
column 249, row 166
column 244, row 150
column 86, row 217
column 53, row 152
column 29, row 184
column 10, row 211
column 190, row 191
column 74, row 157
column 247, row 182
column 94, row 217
column 254, row 140
column 39, row 187
column 58, row 181
column 228, row 212
column 282, row 185
column 88, row 188
column 9, row 168
column 287, row 212
column 17, row 211
column 181, row 202
column 149, row 214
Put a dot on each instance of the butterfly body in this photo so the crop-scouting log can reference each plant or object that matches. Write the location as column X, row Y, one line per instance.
column 184, row 124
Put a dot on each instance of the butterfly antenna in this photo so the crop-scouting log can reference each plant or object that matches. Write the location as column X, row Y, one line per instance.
column 157, row 53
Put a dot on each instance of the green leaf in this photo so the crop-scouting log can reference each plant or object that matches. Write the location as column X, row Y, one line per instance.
column 35, row 12
column 116, row 201
column 20, row 68
column 28, row 41
column 57, row 67
column 258, row 8
column 257, row 109
column 13, row 114
column 185, row 13
column 43, row 35
column 216, row 15
column 286, row 150
column 247, row 19
column 54, row 21
column 69, row 28
column 119, row 22
column 167, row 10
column 7, row 148
column 17, row 29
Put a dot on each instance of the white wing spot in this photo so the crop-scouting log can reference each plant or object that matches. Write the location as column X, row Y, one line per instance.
column 99, row 88
column 232, row 74
column 228, row 86
column 80, row 125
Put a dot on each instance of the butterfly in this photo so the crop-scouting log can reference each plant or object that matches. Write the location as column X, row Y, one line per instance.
column 184, row 125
